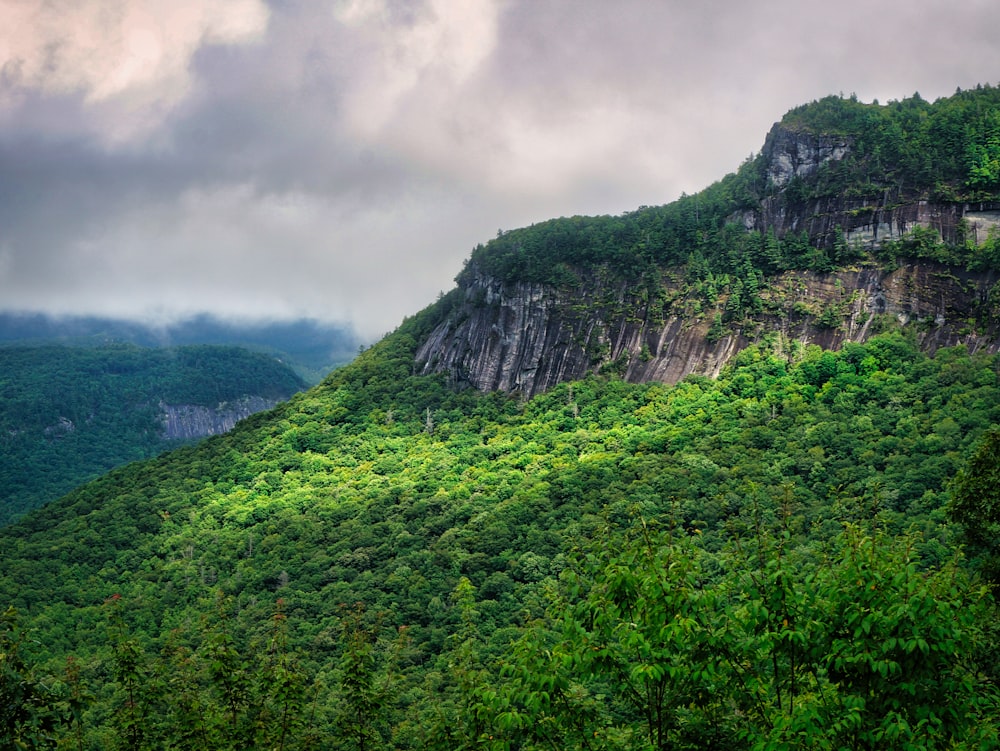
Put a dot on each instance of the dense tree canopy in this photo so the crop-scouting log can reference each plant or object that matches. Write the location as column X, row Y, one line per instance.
column 401, row 559
column 68, row 414
column 911, row 149
column 767, row 560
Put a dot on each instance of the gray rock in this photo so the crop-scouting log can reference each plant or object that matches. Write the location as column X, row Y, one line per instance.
column 188, row 421
column 528, row 337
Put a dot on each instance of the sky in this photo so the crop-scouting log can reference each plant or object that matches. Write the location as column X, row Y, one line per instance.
column 338, row 160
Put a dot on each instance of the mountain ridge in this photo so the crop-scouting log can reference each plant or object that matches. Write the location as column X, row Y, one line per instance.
column 827, row 236
column 69, row 414
column 527, row 337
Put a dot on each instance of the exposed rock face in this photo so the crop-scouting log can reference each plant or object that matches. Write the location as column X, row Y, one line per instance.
column 187, row 421
column 868, row 220
column 527, row 337
column 791, row 154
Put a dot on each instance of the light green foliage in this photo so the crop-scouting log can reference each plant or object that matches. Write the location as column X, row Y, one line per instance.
column 456, row 538
column 795, row 584
column 69, row 414
column 655, row 642
column 983, row 153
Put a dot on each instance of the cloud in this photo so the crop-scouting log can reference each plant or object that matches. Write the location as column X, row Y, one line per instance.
column 340, row 159
column 434, row 49
column 128, row 57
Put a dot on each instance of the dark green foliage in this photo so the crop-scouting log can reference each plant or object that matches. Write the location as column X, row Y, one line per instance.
column 948, row 147
column 975, row 504
column 762, row 561
column 30, row 715
column 69, row 414
column 206, row 691
column 132, row 713
column 456, row 537
column 364, row 693
column 903, row 151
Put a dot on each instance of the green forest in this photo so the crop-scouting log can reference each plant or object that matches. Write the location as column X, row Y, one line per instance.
column 799, row 554
column 763, row 560
column 903, row 151
column 69, row 414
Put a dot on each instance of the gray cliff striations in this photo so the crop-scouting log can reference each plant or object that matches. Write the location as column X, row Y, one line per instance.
column 528, row 337
column 790, row 154
column 867, row 220
column 188, row 421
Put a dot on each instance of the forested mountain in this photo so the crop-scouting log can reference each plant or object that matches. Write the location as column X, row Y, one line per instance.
column 310, row 347
column 782, row 556
column 854, row 218
column 69, row 414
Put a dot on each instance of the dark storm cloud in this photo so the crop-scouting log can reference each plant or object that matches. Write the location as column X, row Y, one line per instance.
column 339, row 160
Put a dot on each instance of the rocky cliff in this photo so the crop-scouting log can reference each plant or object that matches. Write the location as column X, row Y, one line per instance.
column 528, row 337
column 188, row 421
column 552, row 303
column 793, row 166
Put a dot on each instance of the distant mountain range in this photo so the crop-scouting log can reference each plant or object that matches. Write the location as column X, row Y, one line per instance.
column 311, row 347
column 69, row 414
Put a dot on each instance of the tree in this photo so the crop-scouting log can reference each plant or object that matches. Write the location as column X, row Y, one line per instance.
column 364, row 688
column 661, row 644
column 29, row 715
column 975, row 504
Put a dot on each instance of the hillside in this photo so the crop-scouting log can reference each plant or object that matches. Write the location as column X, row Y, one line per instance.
column 311, row 348
column 69, row 414
column 621, row 555
column 854, row 219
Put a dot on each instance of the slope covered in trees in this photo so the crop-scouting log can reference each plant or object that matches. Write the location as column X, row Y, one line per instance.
column 312, row 348
column 910, row 150
column 457, row 520
column 69, row 414
column 769, row 560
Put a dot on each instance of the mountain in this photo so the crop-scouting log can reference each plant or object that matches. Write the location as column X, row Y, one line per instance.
column 529, row 336
column 854, row 219
column 311, row 347
column 597, row 547
column 69, row 414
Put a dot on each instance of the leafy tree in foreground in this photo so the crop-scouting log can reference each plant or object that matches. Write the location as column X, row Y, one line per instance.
column 975, row 504
column 657, row 643
column 29, row 712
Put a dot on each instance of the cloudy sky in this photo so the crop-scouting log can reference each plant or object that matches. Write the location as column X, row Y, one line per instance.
column 338, row 159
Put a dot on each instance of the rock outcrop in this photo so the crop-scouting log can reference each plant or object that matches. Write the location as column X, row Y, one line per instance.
column 528, row 337
column 790, row 154
column 189, row 421
column 866, row 220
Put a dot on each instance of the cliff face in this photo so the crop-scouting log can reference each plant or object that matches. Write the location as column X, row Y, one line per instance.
column 527, row 337
column 187, row 421
column 789, row 154
column 866, row 220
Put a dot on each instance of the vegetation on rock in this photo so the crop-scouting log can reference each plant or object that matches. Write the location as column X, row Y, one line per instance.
column 768, row 560
column 69, row 414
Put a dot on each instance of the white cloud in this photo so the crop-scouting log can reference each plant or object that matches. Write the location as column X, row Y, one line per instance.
column 131, row 57
column 436, row 51
column 339, row 159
